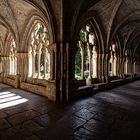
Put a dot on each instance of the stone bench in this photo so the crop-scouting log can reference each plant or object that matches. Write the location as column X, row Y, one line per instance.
column 100, row 85
column 87, row 89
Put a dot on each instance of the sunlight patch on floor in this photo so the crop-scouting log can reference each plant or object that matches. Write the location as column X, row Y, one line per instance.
column 8, row 99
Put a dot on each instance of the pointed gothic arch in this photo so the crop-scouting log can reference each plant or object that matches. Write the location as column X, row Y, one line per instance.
column 86, row 56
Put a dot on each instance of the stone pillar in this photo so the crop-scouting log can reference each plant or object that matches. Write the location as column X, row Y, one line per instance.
column 18, row 64
column 115, row 66
column 123, row 68
column 82, row 63
column 52, row 62
column 90, row 62
column 22, row 66
column 25, row 64
column 106, row 79
column 3, row 68
column 94, row 62
column 132, row 67
column 99, row 67
column 33, row 64
column 44, row 53
column 15, row 65
column 30, row 60
column 56, row 63
column 119, row 67
column 5, row 63
column 38, row 59
column 126, row 66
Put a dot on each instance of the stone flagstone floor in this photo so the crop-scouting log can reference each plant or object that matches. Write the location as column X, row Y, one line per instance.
column 109, row 115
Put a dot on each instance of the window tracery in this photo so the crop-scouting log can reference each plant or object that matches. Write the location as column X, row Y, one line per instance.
column 38, row 53
column 13, row 58
column 86, row 56
column 112, row 60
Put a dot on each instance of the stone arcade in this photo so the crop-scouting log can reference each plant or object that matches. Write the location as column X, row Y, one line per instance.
column 58, row 49
column 67, row 49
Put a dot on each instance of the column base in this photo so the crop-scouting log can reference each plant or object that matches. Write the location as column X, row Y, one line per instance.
column 89, row 80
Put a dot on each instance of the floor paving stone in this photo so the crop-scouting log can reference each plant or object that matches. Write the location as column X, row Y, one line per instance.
column 84, row 134
column 110, row 115
column 85, row 114
column 3, row 115
column 7, row 133
column 4, row 124
column 22, row 117
column 98, row 127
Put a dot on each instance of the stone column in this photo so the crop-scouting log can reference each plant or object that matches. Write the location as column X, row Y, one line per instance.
column 33, row 64
column 132, row 67
column 82, row 63
column 52, row 50
column 126, row 66
column 99, row 67
column 25, row 64
column 52, row 62
column 15, row 65
column 119, row 67
column 3, row 65
column 44, row 53
column 3, row 68
column 3, row 59
column 30, row 64
column 106, row 79
column 115, row 66
column 22, row 67
column 94, row 62
column 90, row 62
column 123, row 68
column 38, row 59
column 18, row 64
column 56, row 63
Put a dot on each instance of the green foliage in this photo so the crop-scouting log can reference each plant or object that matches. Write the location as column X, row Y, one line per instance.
column 82, row 36
column 46, row 38
column 78, row 64
column 42, row 58
column 40, row 31
column 86, row 56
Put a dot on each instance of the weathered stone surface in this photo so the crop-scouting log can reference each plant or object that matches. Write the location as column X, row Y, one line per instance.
column 4, row 124
column 85, row 114
column 98, row 119
column 22, row 117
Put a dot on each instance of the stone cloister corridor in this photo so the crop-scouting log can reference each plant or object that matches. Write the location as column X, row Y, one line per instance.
column 109, row 115
column 69, row 69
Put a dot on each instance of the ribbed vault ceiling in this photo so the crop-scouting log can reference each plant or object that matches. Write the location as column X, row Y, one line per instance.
column 117, row 17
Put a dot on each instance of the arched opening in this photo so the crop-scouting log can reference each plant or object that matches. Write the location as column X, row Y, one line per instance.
column 86, row 56
column 12, row 58
column 126, row 63
column 112, row 60
column 39, row 57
